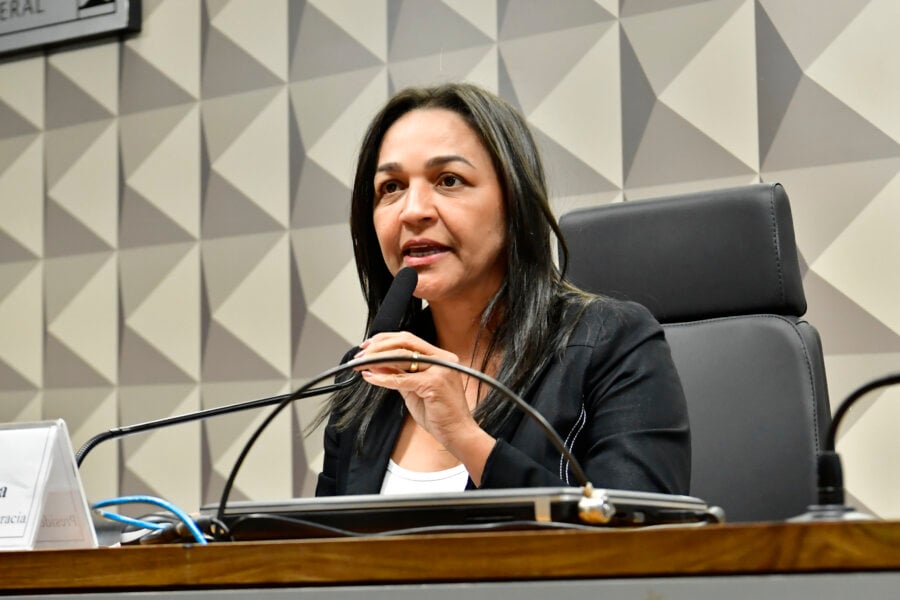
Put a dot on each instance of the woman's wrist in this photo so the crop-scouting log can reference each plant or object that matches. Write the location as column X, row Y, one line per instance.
column 472, row 446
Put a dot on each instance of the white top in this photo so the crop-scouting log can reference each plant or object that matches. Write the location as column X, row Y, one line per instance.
column 398, row 480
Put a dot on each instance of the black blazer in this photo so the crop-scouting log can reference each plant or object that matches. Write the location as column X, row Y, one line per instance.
column 613, row 395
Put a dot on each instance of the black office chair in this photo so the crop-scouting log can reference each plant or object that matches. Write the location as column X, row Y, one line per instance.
column 719, row 269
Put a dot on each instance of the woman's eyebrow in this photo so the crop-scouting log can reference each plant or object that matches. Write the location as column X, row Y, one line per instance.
column 443, row 160
column 437, row 161
column 391, row 166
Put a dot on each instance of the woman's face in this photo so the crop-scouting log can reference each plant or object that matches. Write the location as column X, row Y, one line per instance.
column 439, row 207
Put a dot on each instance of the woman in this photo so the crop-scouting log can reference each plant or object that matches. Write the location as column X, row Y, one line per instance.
column 449, row 182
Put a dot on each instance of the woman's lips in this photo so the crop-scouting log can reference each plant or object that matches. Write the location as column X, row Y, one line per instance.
column 422, row 254
column 419, row 251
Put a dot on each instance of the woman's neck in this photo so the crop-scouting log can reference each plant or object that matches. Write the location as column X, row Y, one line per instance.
column 459, row 330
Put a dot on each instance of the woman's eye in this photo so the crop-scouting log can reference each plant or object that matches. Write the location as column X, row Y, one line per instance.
column 450, row 181
column 389, row 187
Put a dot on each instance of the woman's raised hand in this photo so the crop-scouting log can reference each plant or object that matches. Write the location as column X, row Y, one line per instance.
column 435, row 396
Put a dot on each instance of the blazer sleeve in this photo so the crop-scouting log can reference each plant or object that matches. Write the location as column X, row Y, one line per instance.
column 635, row 433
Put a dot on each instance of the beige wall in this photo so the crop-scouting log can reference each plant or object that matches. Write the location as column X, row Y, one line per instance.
column 173, row 206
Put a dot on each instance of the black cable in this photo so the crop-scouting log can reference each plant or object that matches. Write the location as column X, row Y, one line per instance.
column 117, row 432
column 851, row 399
column 552, row 435
column 312, row 529
column 829, row 471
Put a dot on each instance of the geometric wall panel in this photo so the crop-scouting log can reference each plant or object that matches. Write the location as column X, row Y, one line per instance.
column 20, row 406
column 317, row 269
column 160, row 314
column 365, row 23
column 335, row 149
column 21, row 312
column 818, row 129
column 151, row 457
column 21, row 111
column 169, row 46
column 257, row 311
column 82, row 189
column 318, row 103
column 846, row 265
column 82, row 324
column 690, row 92
column 87, row 411
column 87, row 192
column 225, row 118
column 857, row 332
column 404, row 30
column 22, row 198
column 667, row 41
column 12, row 123
column 94, row 70
column 833, row 197
column 334, row 303
column 256, row 161
column 465, row 64
column 266, row 473
column 320, row 46
column 807, row 43
column 263, row 35
column 523, row 57
column 69, row 103
column 845, row 67
column 523, row 18
column 867, row 451
column 145, row 87
column 559, row 113
column 315, row 183
column 248, row 321
column 673, row 150
column 483, row 15
column 167, row 178
column 726, row 111
column 175, row 204
column 230, row 69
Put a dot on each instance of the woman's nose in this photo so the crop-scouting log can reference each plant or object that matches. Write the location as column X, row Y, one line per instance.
column 418, row 203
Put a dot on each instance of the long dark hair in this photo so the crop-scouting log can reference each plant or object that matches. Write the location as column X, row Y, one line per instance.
column 524, row 313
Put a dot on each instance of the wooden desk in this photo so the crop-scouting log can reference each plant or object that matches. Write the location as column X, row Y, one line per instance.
column 574, row 558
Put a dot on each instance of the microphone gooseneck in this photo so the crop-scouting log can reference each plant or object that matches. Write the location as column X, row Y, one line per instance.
column 117, row 432
column 829, row 472
column 388, row 318
column 839, row 414
column 588, row 507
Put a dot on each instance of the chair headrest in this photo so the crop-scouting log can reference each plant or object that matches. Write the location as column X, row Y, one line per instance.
column 692, row 256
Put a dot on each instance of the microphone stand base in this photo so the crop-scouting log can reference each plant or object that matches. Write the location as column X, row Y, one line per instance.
column 830, row 512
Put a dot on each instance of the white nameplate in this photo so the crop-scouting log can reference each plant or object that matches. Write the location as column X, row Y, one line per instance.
column 42, row 503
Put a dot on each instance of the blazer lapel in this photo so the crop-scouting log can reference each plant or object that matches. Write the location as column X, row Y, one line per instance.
column 366, row 469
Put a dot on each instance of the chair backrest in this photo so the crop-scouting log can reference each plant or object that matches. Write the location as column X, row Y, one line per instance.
column 720, row 271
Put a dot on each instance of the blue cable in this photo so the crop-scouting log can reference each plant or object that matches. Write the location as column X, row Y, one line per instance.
column 183, row 516
column 128, row 520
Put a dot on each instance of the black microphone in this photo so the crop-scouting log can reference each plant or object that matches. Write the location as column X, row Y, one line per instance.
column 829, row 473
column 388, row 318
column 393, row 307
column 390, row 313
